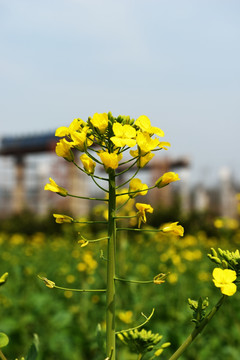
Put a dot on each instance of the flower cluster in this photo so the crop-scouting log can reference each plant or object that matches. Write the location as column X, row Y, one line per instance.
column 103, row 139
column 109, row 137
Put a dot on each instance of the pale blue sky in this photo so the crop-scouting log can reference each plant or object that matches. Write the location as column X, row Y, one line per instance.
column 177, row 62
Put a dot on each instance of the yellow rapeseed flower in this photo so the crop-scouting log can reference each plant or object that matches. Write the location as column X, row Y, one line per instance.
column 173, row 228
column 100, row 121
column 142, row 160
column 76, row 124
column 143, row 122
column 124, row 135
column 55, row 188
column 62, row 131
column 60, row 219
column 110, row 160
column 224, row 280
column 88, row 163
column 146, row 143
column 79, row 139
column 137, row 185
column 142, row 209
column 166, row 179
column 63, row 149
column 164, row 144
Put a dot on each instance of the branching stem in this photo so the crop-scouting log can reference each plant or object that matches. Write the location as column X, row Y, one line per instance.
column 197, row 330
column 2, row 356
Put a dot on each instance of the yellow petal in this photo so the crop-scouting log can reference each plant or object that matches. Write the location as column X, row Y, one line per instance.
column 229, row 289
column 117, row 129
column 62, row 131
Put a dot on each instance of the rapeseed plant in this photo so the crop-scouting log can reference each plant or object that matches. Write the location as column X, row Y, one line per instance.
column 103, row 140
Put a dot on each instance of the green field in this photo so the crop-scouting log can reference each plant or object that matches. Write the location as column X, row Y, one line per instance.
column 71, row 325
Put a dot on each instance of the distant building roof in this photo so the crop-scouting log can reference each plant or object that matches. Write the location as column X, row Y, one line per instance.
column 18, row 145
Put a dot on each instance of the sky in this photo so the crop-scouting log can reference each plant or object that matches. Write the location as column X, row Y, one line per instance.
column 178, row 62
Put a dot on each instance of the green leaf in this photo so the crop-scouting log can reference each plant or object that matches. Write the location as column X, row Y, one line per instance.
column 4, row 340
column 33, row 351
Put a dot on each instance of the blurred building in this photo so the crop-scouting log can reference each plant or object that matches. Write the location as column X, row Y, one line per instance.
column 27, row 162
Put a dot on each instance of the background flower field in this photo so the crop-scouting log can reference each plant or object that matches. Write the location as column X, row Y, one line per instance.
column 71, row 325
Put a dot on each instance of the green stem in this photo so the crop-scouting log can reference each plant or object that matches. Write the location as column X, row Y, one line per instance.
column 135, row 281
column 127, row 161
column 91, row 156
column 125, row 217
column 122, row 205
column 197, row 330
column 100, row 187
column 110, row 315
column 87, row 198
column 2, row 356
column 127, row 181
column 122, row 172
column 79, row 290
column 137, row 191
column 139, row 326
column 90, row 222
column 91, row 241
column 133, row 229
column 95, row 176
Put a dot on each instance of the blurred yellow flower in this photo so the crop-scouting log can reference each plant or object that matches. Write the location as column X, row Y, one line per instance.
column 173, row 228
column 218, row 223
column 60, row 219
column 88, row 163
column 224, row 280
column 137, row 185
column 55, row 188
column 68, row 294
column 110, row 160
column 63, row 149
column 100, row 121
column 70, row 278
column 17, row 239
column 227, row 223
column 173, row 278
column 166, row 179
column 142, row 209
column 126, row 316
column 143, row 122
column 204, row 276
column 124, row 135
column 3, row 278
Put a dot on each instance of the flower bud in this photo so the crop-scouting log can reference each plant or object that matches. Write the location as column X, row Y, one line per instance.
column 3, row 278
column 166, row 179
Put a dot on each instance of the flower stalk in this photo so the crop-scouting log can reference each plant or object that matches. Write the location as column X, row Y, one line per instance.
column 110, row 298
column 197, row 330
